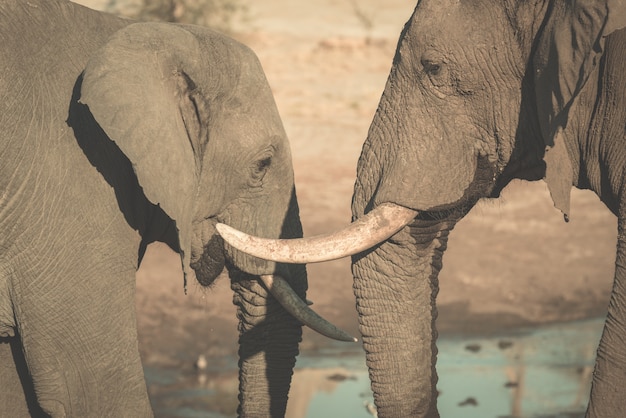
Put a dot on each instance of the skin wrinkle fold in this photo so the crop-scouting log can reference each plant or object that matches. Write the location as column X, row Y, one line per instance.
column 499, row 151
column 373, row 296
column 259, row 336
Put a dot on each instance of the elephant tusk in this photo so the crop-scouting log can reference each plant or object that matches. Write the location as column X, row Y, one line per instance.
column 364, row 233
column 292, row 303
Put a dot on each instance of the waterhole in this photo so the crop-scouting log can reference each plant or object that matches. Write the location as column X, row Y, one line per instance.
column 535, row 372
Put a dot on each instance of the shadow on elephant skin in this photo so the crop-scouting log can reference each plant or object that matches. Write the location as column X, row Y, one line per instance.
column 117, row 170
column 14, row 343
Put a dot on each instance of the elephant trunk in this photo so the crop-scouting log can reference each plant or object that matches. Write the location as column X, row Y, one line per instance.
column 268, row 334
column 395, row 287
column 268, row 345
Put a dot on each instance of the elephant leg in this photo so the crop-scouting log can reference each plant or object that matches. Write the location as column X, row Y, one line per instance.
column 80, row 341
column 608, row 388
column 269, row 339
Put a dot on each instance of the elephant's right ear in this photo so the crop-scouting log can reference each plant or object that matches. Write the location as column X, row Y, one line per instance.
column 140, row 89
column 567, row 50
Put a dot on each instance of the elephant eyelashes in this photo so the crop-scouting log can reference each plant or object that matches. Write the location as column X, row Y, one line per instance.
column 263, row 165
column 437, row 72
column 259, row 169
column 442, row 78
column 432, row 68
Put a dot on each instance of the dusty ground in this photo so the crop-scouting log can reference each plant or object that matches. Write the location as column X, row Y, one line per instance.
column 512, row 261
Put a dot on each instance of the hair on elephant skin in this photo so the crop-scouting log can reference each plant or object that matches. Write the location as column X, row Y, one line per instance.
column 115, row 134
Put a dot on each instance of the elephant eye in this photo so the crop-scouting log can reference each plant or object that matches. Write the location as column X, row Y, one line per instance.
column 264, row 164
column 438, row 71
column 432, row 68
column 259, row 168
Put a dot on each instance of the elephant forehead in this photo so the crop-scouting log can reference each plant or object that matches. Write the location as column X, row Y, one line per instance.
column 453, row 20
column 430, row 15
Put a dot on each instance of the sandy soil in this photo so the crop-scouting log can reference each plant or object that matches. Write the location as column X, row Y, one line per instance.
column 512, row 261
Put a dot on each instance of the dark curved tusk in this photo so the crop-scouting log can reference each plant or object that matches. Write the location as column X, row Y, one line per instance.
column 364, row 233
column 292, row 303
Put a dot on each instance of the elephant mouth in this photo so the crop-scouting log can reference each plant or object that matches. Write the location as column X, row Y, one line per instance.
column 366, row 232
column 210, row 264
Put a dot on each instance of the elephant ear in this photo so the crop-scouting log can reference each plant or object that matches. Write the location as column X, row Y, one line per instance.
column 568, row 49
column 140, row 89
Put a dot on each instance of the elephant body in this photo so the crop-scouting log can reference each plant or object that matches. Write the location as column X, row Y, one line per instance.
column 55, row 206
column 481, row 93
column 88, row 179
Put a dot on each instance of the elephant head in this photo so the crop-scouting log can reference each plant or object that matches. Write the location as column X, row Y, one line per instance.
column 479, row 93
column 194, row 115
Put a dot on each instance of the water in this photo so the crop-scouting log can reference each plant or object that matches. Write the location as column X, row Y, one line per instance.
column 544, row 372
column 532, row 373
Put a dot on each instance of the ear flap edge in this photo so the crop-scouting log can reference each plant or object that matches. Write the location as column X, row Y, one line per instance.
column 567, row 51
column 130, row 88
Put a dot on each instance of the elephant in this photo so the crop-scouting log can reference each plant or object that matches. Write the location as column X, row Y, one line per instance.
column 116, row 134
column 479, row 93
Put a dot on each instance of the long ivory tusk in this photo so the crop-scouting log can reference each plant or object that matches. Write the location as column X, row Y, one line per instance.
column 292, row 303
column 375, row 227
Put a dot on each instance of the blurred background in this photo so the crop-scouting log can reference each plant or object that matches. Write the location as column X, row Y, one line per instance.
column 522, row 293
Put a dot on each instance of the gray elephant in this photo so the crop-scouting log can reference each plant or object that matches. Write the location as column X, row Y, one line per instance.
column 479, row 93
column 116, row 134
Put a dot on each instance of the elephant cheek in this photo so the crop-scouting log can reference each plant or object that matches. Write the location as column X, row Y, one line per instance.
column 210, row 263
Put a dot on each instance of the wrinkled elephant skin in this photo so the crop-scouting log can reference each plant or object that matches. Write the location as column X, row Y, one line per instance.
column 481, row 93
column 116, row 134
